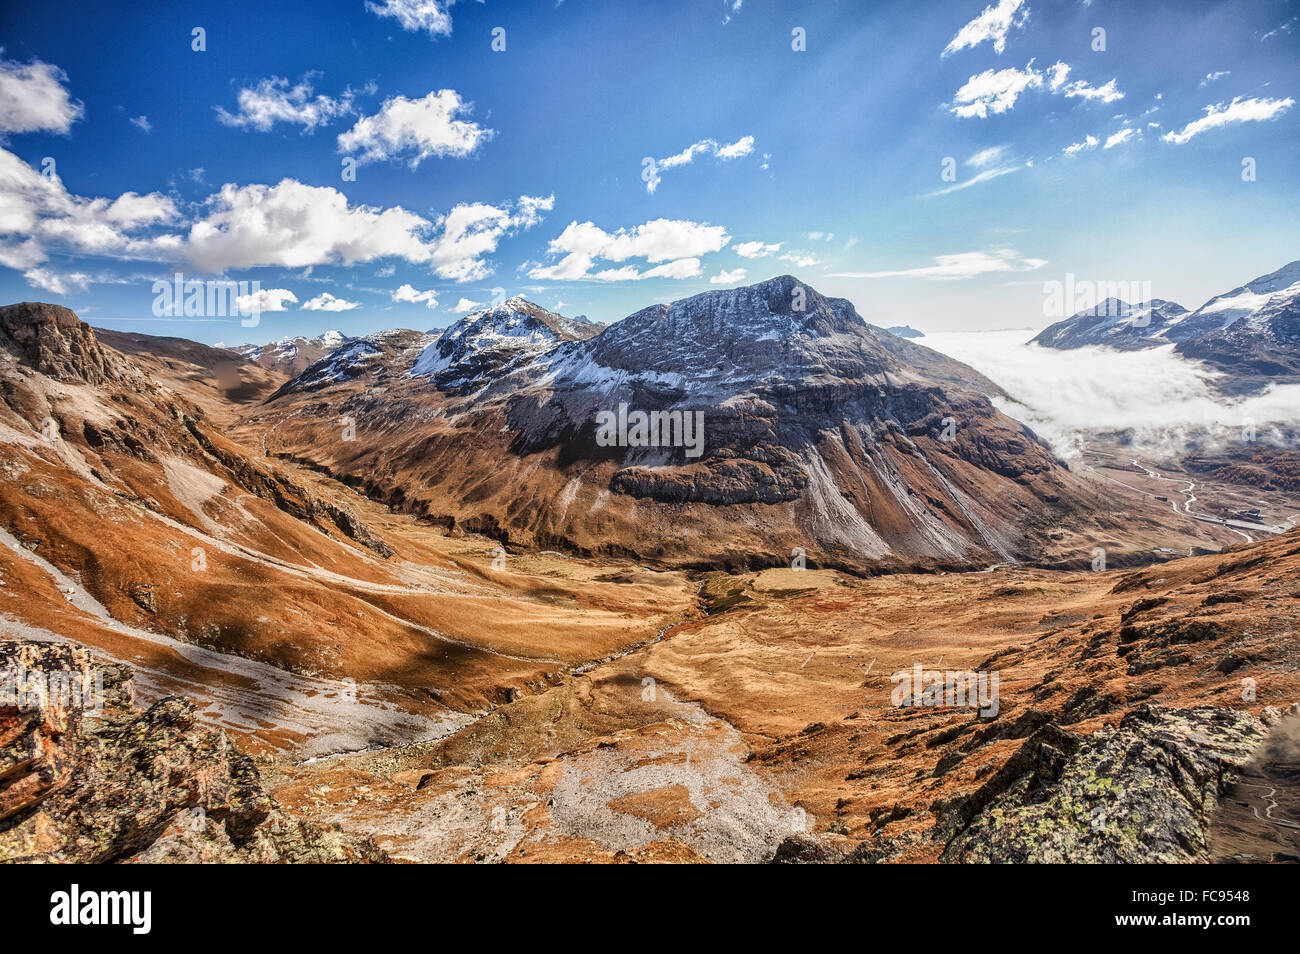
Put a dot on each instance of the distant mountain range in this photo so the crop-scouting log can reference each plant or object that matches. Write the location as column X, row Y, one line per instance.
column 292, row 356
column 821, row 433
column 905, row 331
column 1251, row 332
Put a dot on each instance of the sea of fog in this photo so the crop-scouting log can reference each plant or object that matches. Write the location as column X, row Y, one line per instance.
column 1156, row 395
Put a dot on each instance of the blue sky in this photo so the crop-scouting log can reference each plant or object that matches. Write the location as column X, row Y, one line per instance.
column 525, row 170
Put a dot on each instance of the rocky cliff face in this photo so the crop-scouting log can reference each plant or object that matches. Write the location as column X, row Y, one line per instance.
column 53, row 341
column 127, row 785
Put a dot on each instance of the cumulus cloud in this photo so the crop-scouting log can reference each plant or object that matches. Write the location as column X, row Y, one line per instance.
column 273, row 100
column 432, row 16
column 34, row 99
column 464, row 306
column 1238, row 111
column 651, row 168
column 289, row 224
column 1214, row 77
column 675, row 243
column 412, row 130
column 327, row 302
column 407, row 293
column 757, row 249
column 295, row 225
column 733, row 277
column 38, row 214
column 1156, row 394
column 266, row 299
column 992, row 25
column 959, row 266
column 142, row 122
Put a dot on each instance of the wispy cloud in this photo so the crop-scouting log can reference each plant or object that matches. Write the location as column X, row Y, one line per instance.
column 1088, row 144
column 996, row 91
column 652, row 168
column 974, row 180
column 992, row 25
column 1238, row 111
column 961, row 265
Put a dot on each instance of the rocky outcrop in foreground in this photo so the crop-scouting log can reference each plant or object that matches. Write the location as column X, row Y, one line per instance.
column 127, row 785
column 1142, row 792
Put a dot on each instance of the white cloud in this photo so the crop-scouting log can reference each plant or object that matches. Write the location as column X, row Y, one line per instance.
column 986, row 157
column 994, row 91
column 678, row 268
column 408, row 294
column 675, row 242
column 732, row 277
column 993, row 24
column 1056, row 75
column 1214, row 77
column 142, row 122
column 1123, row 136
column 651, row 169
column 273, row 100
column 295, row 225
column 1106, row 93
column 1089, row 143
column 757, row 249
column 290, row 225
column 976, row 179
column 51, row 281
column 327, row 302
column 1283, row 28
column 34, row 99
column 1238, row 111
column 960, row 266
column 415, row 129
column 432, row 16
column 266, row 299
column 37, row 214
column 465, row 305
column 800, row 259
column 741, row 147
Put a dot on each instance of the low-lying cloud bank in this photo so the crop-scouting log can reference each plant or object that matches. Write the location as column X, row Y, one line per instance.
column 1162, row 400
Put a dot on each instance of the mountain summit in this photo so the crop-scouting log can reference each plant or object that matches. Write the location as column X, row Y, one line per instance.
column 818, row 433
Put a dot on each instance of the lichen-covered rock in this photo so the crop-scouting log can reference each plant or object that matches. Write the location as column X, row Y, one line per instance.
column 1141, row 792
column 152, row 786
